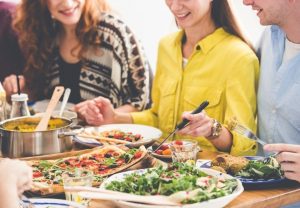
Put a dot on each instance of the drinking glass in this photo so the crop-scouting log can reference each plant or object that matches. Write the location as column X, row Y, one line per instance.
column 79, row 177
column 184, row 150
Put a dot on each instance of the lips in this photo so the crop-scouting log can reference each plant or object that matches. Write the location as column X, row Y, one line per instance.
column 68, row 12
column 258, row 10
column 182, row 16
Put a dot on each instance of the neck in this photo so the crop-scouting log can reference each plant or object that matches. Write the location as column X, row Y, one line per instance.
column 293, row 33
column 291, row 25
column 198, row 32
column 69, row 31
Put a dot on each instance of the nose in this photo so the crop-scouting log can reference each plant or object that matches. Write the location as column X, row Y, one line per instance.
column 67, row 2
column 248, row 2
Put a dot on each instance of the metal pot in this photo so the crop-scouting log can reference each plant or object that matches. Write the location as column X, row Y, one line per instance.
column 16, row 143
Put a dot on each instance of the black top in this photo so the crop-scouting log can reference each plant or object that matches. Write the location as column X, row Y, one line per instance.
column 69, row 78
column 11, row 58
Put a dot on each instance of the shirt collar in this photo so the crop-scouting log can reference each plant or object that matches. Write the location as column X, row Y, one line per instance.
column 207, row 43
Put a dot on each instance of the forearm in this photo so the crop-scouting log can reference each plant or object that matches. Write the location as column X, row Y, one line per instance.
column 224, row 141
column 127, row 108
column 121, row 117
column 122, row 114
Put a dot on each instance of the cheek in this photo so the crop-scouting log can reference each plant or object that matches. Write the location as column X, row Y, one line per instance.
column 50, row 6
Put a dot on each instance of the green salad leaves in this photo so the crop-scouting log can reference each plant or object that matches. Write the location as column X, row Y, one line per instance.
column 181, row 181
column 262, row 169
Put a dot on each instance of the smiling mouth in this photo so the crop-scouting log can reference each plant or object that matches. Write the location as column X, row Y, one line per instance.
column 69, row 12
column 258, row 10
column 182, row 16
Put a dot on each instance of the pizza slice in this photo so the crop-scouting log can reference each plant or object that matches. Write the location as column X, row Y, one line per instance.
column 47, row 174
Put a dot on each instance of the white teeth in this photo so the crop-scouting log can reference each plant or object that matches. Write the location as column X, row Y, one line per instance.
column 181, row 15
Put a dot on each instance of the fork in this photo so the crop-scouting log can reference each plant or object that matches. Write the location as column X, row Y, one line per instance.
column 247, row 132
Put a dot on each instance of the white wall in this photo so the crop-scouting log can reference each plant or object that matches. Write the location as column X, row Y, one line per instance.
column 151, row 19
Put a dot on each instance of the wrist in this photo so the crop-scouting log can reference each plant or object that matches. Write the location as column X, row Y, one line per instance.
column 122, row 118
column 216, row 130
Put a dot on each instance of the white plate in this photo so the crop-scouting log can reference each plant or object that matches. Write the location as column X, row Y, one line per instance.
column 215, row 203
column 44, row 203
column 40, row 106
column 149, row 133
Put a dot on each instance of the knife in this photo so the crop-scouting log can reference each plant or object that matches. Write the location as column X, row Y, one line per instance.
column 183, row 123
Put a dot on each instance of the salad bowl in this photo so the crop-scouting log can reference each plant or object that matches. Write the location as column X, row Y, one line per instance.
column 213, row 202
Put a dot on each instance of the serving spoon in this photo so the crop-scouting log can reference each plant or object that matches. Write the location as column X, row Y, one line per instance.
column 64, row 102
column 58, row 91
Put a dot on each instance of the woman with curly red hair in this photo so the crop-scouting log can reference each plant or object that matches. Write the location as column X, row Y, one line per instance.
column 82, row 45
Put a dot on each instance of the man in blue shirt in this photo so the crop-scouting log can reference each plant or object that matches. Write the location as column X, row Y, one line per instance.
column 279, row 84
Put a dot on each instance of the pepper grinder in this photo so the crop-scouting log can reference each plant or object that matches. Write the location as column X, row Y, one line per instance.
column 19, row 105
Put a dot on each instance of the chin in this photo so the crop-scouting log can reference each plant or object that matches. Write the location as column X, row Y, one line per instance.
column 265, row 23
column 71, row 22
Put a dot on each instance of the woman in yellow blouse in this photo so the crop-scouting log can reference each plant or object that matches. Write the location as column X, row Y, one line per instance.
column 207, row 59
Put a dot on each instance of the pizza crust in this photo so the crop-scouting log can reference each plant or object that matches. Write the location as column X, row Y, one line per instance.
column 43, row 188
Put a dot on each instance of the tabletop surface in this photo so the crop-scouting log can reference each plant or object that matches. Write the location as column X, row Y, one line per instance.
column 286, row 193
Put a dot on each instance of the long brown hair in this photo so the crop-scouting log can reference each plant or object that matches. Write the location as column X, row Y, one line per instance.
column 37, row 34
column 224, row 17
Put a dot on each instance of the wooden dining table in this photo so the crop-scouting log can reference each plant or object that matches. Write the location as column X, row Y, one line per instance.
column 284, row 194
column 278, row 196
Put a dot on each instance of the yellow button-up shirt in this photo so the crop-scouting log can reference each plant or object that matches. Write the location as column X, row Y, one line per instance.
column 222, row 69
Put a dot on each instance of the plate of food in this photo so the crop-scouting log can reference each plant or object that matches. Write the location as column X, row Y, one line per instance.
column 105, row 161
column 132, row 135
column 186, row 185
column 48, row 202
column 253, row 171
column 163, row 153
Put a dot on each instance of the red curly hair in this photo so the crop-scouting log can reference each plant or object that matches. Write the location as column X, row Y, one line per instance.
column 37, row 34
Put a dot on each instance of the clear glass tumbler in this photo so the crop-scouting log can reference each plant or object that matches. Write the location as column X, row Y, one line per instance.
column 80, row 177
column 184, row 150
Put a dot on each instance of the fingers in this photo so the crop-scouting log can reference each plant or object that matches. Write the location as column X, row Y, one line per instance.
column 199, row 125
column 288, row 167
column 196, row 130
column 10, row 84
column 288, row 157
column 282, row 148
column 90, row 112
column 292, row 175
column 289, row 163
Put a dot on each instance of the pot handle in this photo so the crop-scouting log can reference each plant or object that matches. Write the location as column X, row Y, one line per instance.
column 76, row 129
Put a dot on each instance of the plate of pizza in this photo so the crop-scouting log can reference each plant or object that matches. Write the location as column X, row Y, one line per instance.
column 131, row 135
column 105, row 161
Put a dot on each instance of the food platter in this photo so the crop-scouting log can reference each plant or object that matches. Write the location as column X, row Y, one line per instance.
column 218, row 202
column 249, row 183
column 149, row 134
